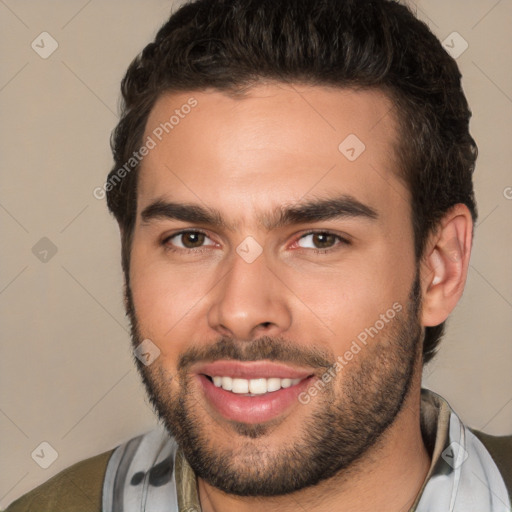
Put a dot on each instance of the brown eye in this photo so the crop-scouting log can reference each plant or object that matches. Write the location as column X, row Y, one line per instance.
column 192, row 239
column 319, row 240
column 323, row 240
column 187, row 240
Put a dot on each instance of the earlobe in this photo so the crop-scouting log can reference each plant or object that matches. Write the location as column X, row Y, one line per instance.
column 445, row 266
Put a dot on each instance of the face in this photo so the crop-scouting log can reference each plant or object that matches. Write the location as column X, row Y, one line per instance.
column 273, row 266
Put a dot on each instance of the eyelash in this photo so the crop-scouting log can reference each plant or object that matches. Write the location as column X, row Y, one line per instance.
column 199, row 250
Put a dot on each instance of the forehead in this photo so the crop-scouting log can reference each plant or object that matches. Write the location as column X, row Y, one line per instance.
column 276, row 144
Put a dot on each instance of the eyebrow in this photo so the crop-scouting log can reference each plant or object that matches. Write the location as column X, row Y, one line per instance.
column 344, row 206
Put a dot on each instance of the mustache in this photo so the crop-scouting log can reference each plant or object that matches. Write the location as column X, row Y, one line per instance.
column 269, row 348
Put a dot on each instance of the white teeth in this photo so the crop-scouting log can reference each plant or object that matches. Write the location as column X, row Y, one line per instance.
column 258, row 386
column 273, row 384
column 286, row 383
column 253, row 386
column 240, row 386
column 227, row 383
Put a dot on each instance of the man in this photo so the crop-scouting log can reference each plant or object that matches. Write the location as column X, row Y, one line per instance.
column 293, row 187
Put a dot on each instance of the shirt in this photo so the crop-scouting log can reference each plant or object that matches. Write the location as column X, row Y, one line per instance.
column 150, row 472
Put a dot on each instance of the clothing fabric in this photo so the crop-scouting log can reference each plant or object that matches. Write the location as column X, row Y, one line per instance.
column 462, row 478
column 151, row 473
column 75, row 489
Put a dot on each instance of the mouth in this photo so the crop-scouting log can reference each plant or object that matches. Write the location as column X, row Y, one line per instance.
column 252, row 387
column 252, row 392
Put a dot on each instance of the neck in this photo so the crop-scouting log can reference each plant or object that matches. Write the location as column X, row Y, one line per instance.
column 387, row 478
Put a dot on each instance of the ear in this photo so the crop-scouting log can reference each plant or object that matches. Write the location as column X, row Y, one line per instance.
column 445, row 265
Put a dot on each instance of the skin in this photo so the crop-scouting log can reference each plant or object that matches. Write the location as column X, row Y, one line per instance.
column 246, row 157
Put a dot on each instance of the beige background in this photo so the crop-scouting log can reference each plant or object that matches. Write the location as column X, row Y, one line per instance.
column 66, row 372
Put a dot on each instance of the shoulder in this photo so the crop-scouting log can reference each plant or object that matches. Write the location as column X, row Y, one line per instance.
column 500, row 448
column 75, row 489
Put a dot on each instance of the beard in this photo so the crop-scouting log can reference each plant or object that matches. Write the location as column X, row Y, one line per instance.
column 347, row 417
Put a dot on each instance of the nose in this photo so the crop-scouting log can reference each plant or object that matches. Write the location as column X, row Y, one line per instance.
column 251, row 300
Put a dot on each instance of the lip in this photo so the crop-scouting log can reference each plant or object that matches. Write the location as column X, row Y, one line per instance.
column 252, row 409
column 252, row 370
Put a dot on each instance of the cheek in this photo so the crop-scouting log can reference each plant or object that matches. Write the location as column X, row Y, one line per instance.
column 165, row 300
column 357, row 301
column 333, row 307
